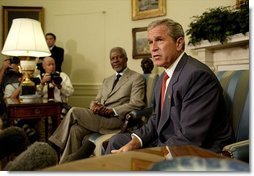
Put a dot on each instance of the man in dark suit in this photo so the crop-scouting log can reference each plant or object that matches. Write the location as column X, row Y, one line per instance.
column 193, row 111
column 57, row 53
column 107, row 111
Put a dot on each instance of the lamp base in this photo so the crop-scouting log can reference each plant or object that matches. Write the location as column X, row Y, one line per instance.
column 27, row 86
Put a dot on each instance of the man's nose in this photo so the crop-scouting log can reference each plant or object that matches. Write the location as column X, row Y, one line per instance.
column 153, row 46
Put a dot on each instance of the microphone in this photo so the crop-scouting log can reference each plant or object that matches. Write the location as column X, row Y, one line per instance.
column 84, row 151
column 39, row 155
column 13, row 140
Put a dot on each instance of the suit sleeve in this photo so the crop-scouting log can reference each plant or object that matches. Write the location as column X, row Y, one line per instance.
column 58, row 55
column 148, row 133
column 61, row 57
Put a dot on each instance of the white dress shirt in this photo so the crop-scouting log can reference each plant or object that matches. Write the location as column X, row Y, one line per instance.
column 60, row 95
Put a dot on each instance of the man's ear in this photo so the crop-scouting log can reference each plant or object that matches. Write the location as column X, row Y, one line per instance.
column 179, row 43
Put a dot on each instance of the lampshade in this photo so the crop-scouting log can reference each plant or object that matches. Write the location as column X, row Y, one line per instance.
column 26, row 38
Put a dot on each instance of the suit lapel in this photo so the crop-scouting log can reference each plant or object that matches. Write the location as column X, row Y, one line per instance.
column 165, row 116
column 120, row 83
column 112, row 79
column 157, row 97
column 108, row 88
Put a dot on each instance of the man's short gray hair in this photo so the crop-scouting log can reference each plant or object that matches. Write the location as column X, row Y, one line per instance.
column 175, row 30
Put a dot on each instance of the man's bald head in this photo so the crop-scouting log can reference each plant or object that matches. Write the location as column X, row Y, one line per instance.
column 48, row 64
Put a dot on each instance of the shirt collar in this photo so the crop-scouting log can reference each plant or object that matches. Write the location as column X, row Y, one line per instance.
column 171, row 69
column 51, row 47
column 121, row 73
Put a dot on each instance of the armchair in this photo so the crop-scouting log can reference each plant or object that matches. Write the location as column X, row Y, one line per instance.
column 137, row 118
column 236, row 92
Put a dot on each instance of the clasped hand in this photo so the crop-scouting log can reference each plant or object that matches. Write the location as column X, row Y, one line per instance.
column 102, row 110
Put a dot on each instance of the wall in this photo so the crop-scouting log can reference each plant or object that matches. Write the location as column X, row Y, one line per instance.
column 88, row 29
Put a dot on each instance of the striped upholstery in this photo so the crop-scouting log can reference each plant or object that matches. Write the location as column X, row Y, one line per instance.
column 98, row 138
column 151, row 80
column 236, row 92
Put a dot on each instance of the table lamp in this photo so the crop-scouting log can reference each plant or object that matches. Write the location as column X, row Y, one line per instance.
column 26, row 41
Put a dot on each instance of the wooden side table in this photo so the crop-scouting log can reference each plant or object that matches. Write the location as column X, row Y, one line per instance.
column 33, row 108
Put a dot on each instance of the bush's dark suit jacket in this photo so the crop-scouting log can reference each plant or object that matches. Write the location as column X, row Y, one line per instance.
column 58, row 54
column 194, row 110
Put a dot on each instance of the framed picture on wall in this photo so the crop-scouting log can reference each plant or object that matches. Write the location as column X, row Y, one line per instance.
column 140, row 43
column 12, row 12
column 142, row 9
column 240, row 2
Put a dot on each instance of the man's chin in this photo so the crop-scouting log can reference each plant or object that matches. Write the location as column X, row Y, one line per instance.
column 118, row 70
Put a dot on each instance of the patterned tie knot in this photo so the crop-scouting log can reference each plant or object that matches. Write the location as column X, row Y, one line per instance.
column 116, row 80
column 165, row 77
column 118, row 76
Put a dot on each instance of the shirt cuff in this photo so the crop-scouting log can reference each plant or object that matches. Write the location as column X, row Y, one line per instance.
column 133, row 134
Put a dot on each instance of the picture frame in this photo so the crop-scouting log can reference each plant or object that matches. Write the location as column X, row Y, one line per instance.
column 12, row 12
column 142, row 9
column 239, row 3
column 140, row 43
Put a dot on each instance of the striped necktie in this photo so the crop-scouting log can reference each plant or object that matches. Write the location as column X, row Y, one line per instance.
column 116, row 80
column 163, row 89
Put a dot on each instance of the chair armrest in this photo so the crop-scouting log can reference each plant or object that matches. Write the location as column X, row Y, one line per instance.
column 135, row 118
column 137, row 114
column 238, row 150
